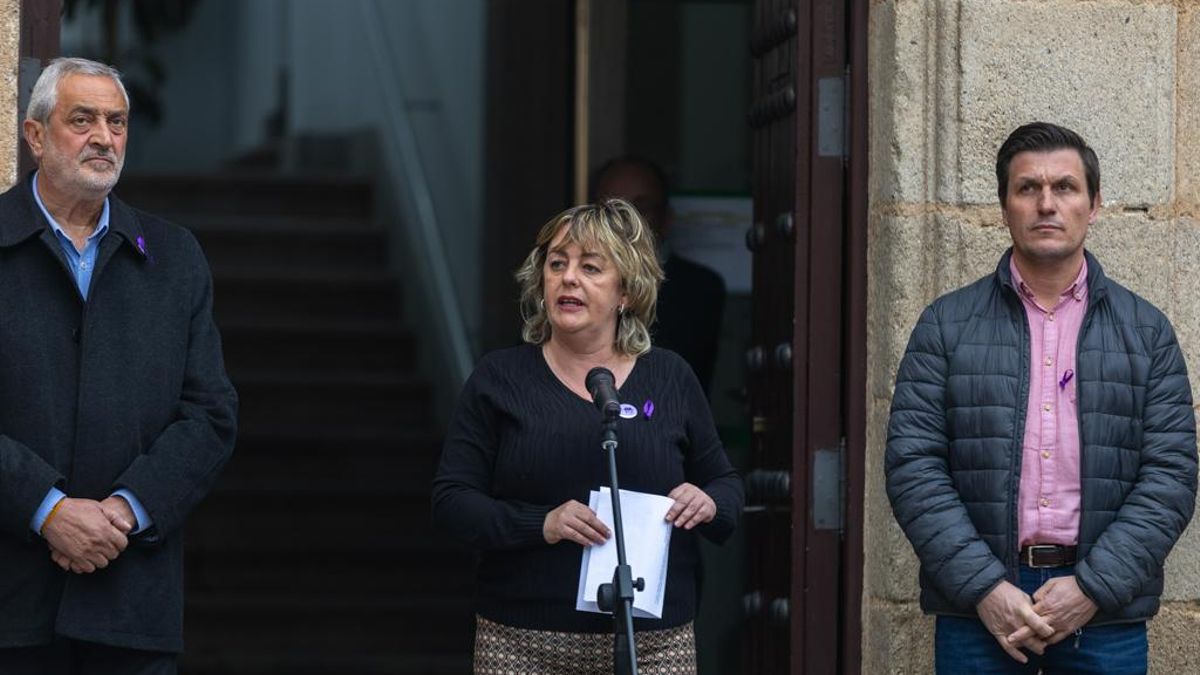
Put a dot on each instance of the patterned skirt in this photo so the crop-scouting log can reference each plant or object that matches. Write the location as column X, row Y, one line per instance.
column 504, row 650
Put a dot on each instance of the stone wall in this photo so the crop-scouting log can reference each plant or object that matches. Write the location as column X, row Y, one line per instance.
column 10, row 130
column 949, row 80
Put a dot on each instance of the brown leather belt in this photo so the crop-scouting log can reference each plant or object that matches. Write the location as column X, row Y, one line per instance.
column 1048, row 555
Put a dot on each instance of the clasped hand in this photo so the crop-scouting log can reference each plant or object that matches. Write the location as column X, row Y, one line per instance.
column 1056, row 610
column 85, row 535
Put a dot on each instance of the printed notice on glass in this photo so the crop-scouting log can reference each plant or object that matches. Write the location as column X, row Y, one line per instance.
column 647, row 543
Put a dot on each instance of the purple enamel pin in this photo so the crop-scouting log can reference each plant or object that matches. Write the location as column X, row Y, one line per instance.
column 648, row 408
column 141, row 245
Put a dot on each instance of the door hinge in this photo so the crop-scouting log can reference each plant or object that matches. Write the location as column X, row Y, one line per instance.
column 832, row 115
column 829, row 487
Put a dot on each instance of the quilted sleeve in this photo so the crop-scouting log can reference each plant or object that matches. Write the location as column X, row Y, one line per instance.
column 924, row 499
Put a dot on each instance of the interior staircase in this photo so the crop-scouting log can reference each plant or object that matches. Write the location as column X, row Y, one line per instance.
column 314, row 554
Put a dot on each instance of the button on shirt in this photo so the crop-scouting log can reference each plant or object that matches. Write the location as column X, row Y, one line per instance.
column 1049, row 499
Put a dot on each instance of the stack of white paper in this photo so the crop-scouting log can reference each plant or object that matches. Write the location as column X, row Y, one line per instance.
column 647, row 542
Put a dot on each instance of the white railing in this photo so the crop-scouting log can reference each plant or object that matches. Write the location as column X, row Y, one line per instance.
column 421, row 224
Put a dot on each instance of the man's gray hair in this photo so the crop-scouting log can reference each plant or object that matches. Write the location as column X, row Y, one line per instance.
column 45, row 91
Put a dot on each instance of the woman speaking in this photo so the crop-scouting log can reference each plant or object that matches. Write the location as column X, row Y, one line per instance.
column 523, row 453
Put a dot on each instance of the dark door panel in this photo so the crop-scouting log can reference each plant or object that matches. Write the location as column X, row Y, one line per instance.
column 796, row 604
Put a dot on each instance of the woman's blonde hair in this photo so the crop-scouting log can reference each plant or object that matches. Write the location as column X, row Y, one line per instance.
column 612, row 227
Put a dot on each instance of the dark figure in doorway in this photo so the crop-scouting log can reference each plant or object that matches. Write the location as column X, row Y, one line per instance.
column 692, row 297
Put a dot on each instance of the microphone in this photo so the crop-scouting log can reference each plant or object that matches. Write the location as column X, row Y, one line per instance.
column 601, row 385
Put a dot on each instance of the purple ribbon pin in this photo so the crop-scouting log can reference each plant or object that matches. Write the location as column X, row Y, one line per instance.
column 1062, row 384
column 648, row 408
column 141, row 245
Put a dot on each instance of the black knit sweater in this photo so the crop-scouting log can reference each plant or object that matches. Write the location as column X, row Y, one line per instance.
column 522, row 443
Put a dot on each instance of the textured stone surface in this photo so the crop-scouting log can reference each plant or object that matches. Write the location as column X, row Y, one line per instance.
column 1138, row 252
column 1187, row 121
column 890, row 571
column 913, row 109
column 1183, row 565
column 951, row 79
column 10, row 44
column 1105, row 69
column 897, row 290
column 1185, row 286
column 901, row 639
column 1173, row 648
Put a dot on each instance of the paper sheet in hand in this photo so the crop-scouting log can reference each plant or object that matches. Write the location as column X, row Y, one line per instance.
column 647, row 541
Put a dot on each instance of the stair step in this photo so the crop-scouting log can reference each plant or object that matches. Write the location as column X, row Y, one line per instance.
column 248, row 194
column 370, row 346
column 302, row 226
column 315, row 553
column 338, row 400
column 310, row 436
column 309, row 661
column 304, row 449
column 281, row 294
column 374, row 623
column 338, row 513
column 312, row 475
column 306, row 247
column 407, row 569
column 217, row 535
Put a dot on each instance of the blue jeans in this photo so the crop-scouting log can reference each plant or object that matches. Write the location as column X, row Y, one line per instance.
column 966, row 646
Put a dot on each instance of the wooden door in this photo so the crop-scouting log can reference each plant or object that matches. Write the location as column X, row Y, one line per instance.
column 805, row 368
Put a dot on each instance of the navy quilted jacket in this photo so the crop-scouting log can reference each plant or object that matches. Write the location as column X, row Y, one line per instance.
column 954, row 445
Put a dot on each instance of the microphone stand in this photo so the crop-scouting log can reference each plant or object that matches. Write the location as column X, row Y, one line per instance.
column 617, row 597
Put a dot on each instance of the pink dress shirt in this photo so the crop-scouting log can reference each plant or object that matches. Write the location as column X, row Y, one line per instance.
column 1048, row 501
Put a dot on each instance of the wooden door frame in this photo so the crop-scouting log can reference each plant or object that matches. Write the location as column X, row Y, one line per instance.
column 41, row 28
column 825, row 378
column 858, row 196
column 601, row 31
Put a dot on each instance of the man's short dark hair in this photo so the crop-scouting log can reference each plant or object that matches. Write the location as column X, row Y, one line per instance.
column 1046, row 137
column 624, row 161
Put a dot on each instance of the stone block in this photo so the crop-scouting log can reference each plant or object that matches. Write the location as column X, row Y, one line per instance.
column 951, row 80
column 1183, row 565
column 1182, row 568
column 890, row 567
column 1174, row 649
column 1187, row 115
column 897, row 639
column 1105, row 69
column 1185, row 314
column 10, row 49
column 1139, row 252
column 912, row 77
column 898, row 288
column 980, row 239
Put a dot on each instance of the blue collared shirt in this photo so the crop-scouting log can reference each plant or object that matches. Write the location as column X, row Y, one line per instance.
column 82, row 263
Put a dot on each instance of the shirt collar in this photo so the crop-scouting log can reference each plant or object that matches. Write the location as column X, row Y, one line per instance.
column 101, row 224
column 1077, row 290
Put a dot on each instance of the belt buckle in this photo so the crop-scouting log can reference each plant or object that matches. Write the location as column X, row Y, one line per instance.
column 1030, row 551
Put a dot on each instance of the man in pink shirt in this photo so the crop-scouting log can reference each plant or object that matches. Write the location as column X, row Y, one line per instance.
column 1041, row 449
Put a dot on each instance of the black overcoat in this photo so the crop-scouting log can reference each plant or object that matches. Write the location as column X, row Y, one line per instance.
column 124, row 390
